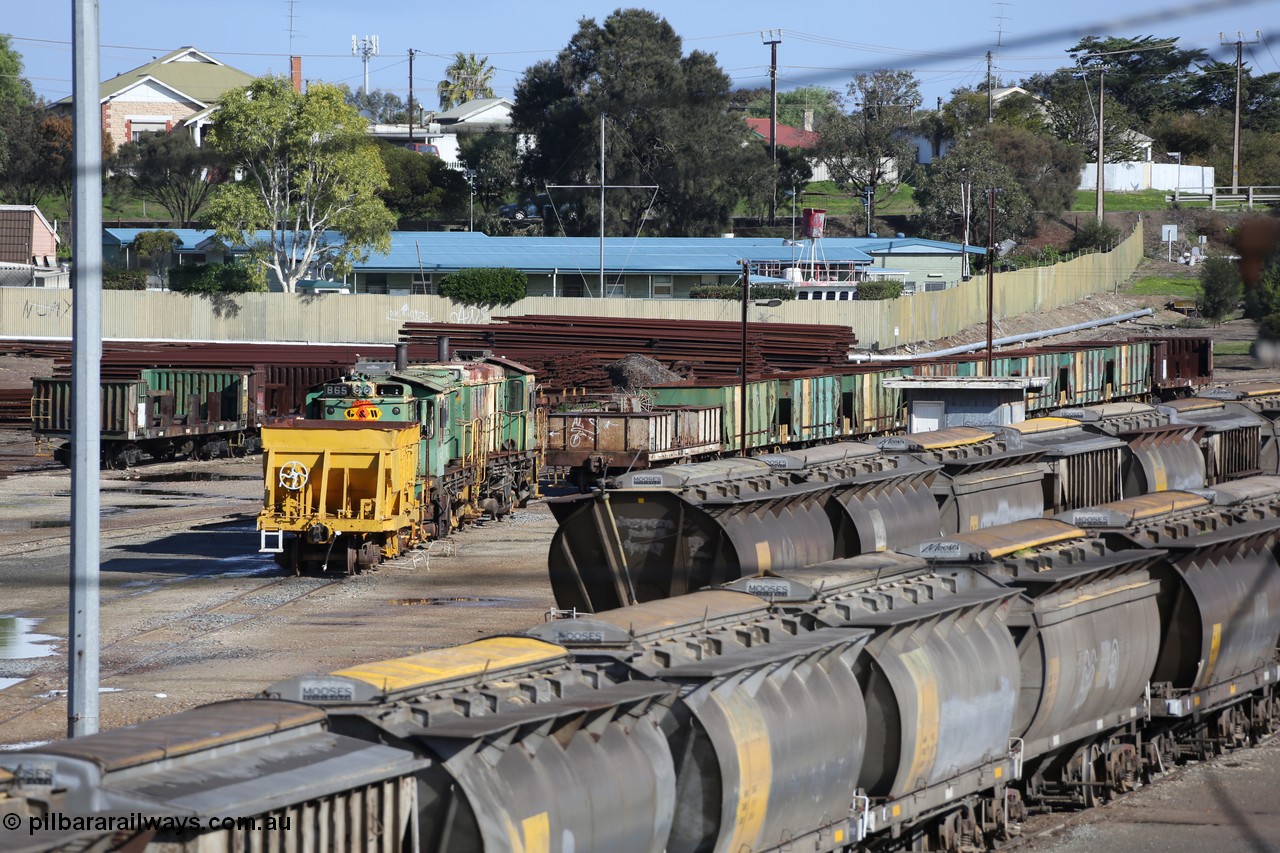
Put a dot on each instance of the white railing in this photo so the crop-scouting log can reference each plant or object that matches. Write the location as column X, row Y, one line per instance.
column 1225, row 197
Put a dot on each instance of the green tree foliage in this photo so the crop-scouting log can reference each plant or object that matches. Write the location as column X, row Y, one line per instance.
column 792, row 105
column 1220, row 288
column 485, row 286
column 492, row 156
column 1145, row 75
column 157, row 248
column 309, row 171
column 794, row 171
column 170, row 170
column 967, row 111
column 39, row 160
column 1094, row 236
column 377, row 106
column 667, row 125
column 1263, row 299
column 733, row 292
column 422, row 186
column 1071, row 102
column 1046, row 169
column 978, row 162
column 466, row 79
column 1200, row 137
column 215, row 278
column 1215, row 92
column 880, row 290
column 868, row 146
column 120, row 278
column 14, row 88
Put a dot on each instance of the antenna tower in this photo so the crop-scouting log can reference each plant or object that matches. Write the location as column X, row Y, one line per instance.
column 365, row 49
column 292, row 18
column 1000, row 17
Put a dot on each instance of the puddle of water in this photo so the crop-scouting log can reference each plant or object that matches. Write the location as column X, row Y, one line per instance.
column 6, row 683
column 195, row 477
column 10, row 525
column 18, row 639
column 245, row 567
column 26, row 744
column 58, row 694
column 457, row 601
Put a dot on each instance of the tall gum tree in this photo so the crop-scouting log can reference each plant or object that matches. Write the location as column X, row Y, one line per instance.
column 668, row 124
column 309, row 178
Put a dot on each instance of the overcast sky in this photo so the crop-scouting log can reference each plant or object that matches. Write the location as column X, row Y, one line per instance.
column 943, row 41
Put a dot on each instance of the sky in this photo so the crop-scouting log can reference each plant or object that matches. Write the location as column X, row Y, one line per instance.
column 822, row 43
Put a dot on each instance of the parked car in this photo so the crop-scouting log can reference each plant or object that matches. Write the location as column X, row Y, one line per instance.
column 536, row 208
column 423, row 148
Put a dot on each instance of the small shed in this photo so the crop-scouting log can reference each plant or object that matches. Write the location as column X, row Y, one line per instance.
column 943, row 402
column 26, row 237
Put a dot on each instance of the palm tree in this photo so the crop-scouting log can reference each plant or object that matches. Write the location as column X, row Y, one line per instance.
column 466, row 79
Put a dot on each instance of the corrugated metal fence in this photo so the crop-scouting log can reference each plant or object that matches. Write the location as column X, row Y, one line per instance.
column 335, row 318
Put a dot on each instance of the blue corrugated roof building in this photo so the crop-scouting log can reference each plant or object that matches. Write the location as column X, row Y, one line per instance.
column 642, row 267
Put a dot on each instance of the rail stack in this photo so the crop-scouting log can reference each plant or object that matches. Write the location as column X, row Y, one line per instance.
column 572, row 351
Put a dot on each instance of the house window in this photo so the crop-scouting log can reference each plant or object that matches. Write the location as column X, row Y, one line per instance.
column 375, row 282
column 708, row 279
column 422, row 285
column 661, row 287
column 139, row 128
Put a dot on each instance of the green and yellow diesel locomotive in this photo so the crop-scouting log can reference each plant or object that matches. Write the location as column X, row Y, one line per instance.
column 393, row 455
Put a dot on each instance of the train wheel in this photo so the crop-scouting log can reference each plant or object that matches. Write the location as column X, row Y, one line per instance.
column 353, row 565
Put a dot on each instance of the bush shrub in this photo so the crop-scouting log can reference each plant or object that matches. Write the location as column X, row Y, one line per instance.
column 485, row 286
column 120, row 278
column 879, row 290
column 1220, row 288
column 214, row 278
column 1096, row 236
column 734, row 292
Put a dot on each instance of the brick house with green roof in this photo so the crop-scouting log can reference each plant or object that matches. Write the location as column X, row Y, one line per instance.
column 163, row 94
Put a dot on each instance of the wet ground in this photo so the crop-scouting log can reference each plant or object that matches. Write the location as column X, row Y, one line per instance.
column 192, row 613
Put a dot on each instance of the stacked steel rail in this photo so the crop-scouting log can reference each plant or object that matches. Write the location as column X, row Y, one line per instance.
column 570, row 351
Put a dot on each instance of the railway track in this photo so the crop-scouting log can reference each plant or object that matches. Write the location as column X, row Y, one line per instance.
column 176, row 636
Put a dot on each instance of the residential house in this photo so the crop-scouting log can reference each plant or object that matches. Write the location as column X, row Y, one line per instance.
column 803, row 138
column 162, row 94
column 28, row 249
column 442, row 129
column 26, row 237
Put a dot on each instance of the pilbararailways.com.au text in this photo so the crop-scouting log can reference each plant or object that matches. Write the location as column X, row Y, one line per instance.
column 137, row 822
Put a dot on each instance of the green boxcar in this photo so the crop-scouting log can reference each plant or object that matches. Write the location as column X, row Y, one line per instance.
column 762, row 409
column 162, row 413
column 808, row 408
column 866, row 406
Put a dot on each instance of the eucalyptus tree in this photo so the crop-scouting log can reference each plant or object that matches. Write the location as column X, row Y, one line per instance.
column 307, row 170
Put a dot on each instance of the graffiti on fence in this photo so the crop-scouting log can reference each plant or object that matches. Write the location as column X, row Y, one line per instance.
column 58, row 308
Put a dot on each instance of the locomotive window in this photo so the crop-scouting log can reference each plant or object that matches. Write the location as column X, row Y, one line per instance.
column 428, row 418
column 514, row 396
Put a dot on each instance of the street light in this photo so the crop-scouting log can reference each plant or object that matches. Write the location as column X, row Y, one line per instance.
column 792, row 192
column 768, row 303
column 471, row 208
